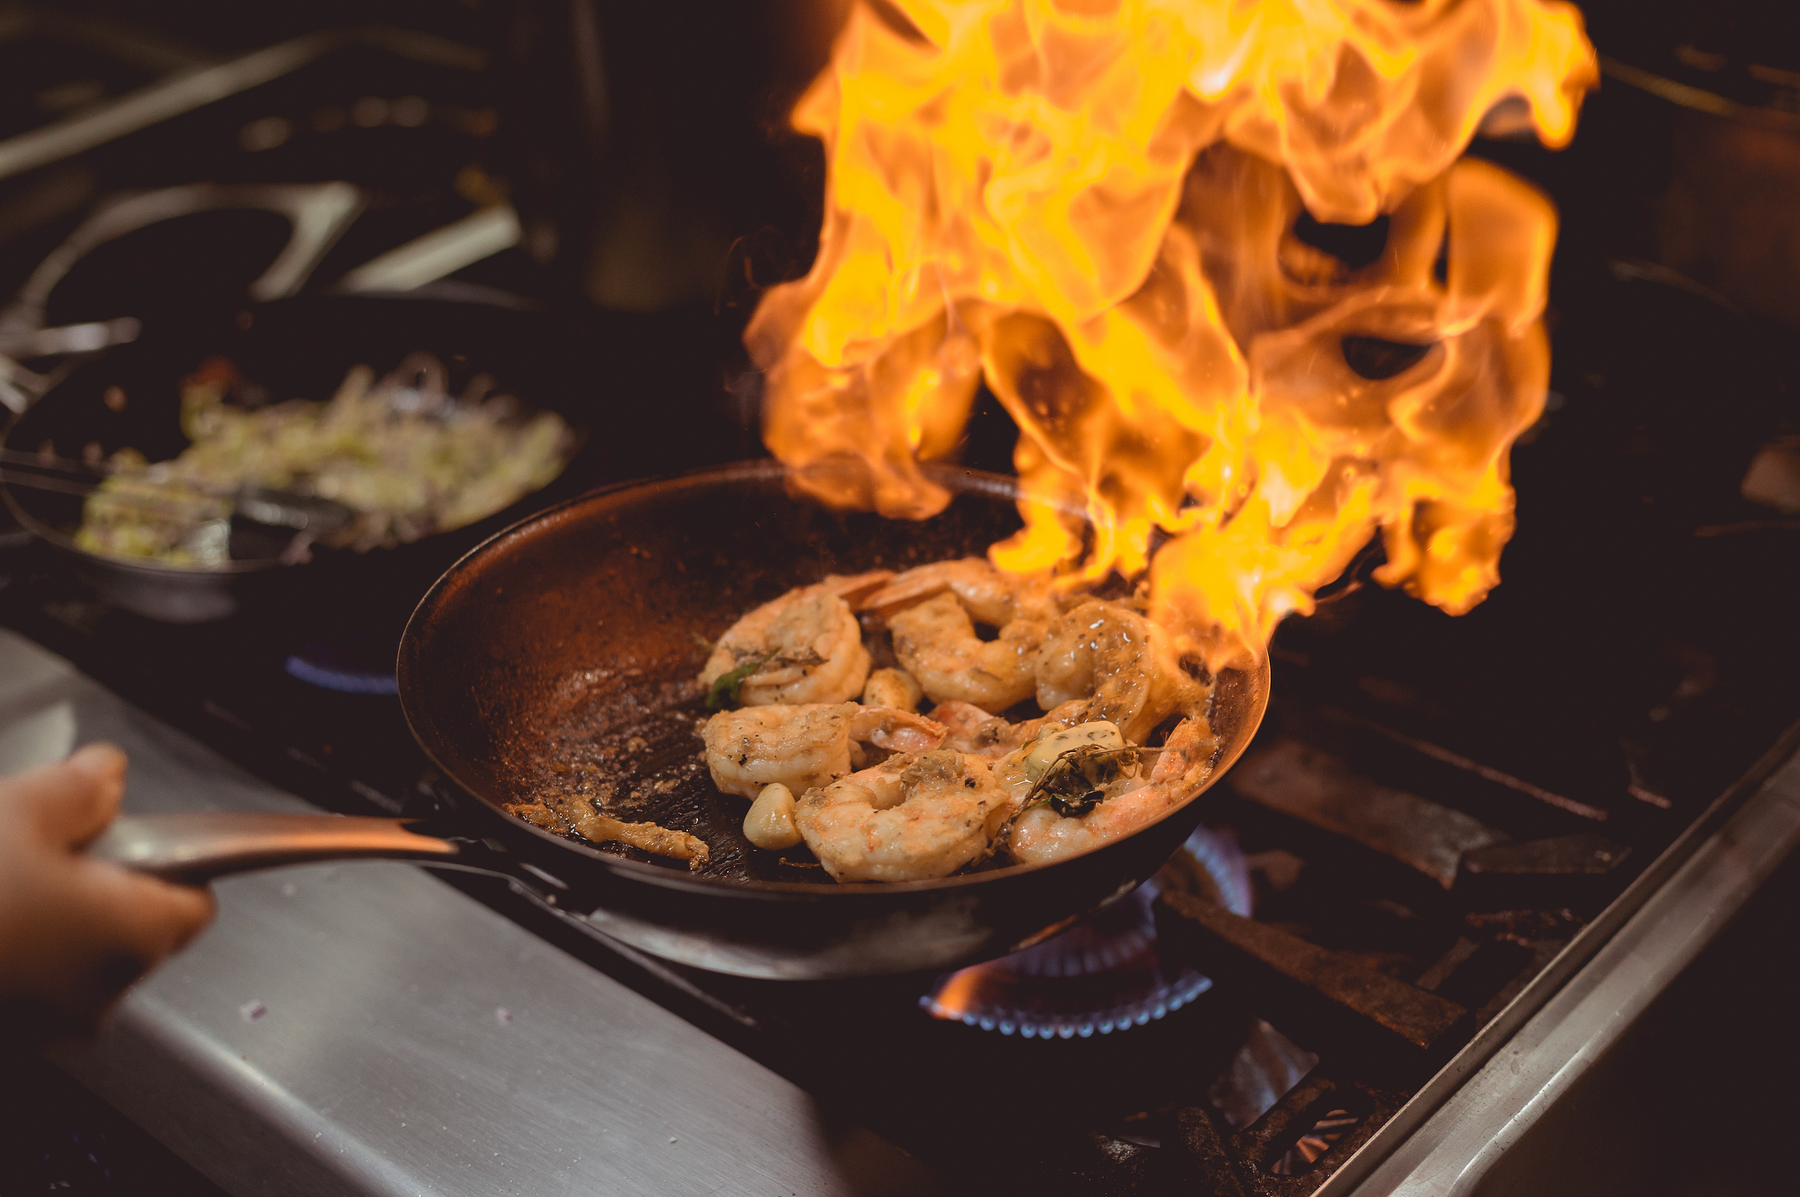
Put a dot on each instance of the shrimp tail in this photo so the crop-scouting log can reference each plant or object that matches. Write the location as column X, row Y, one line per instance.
column 856, row 588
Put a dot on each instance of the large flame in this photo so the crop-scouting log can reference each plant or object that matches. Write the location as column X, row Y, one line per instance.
column 1091, row 204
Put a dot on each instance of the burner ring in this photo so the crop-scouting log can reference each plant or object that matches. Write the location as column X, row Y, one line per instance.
column 1103, row 976
column 332, row 668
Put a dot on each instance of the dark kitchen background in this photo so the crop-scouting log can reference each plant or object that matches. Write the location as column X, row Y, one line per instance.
column 1649, row 620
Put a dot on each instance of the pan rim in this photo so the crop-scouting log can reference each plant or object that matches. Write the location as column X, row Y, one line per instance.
column 234, row 567
column 766, row 469
column 146, row 566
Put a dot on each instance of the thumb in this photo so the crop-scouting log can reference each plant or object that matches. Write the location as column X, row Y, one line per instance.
column 72, row 801
column 147, row 917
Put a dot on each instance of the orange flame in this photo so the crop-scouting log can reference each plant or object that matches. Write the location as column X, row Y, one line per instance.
column 1090, row 204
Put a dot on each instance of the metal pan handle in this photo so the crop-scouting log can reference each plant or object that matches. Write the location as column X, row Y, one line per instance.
column 195, row 848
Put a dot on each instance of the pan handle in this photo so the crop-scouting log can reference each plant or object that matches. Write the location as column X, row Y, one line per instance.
column 195, row 848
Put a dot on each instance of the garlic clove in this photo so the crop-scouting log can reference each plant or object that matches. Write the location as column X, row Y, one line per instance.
column 769, row 823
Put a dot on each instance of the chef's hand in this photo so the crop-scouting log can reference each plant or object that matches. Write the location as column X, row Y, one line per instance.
column 74, row 932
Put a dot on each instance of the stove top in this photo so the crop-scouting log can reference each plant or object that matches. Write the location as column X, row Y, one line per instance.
column 1434, row 810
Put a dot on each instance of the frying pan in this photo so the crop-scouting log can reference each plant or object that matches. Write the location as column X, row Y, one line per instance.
column 297, row 348
column 562, row 653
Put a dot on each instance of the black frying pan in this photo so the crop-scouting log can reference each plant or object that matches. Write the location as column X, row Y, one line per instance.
column 562, row 652
column 293, row 348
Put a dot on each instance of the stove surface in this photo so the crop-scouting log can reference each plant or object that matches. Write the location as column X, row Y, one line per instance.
column 1435, row 808
column 1435, row 811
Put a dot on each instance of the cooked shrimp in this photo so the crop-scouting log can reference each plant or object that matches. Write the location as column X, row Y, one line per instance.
column 907, row 819
column 1120, row 662
column 932, row 610
column 937, row 644
column 806, row 645
column 804, row 746
column 1041, row 835
column 971, row 729
column 986, row 593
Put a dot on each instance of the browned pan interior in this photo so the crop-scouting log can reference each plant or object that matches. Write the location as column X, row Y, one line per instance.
column 563, row 654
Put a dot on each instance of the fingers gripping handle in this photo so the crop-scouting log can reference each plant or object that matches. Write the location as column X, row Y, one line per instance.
column 195, row 848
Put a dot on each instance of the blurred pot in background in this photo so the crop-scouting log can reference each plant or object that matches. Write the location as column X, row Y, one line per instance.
column 647, row 139
column 1731, row 217
column 1727, row 74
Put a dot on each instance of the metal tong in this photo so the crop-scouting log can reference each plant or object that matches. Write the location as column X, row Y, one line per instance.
column 319, row 517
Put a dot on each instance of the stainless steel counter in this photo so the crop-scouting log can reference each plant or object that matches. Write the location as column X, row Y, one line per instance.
column 364, row 1028
column 1489, row 1137
column 1493, row 1134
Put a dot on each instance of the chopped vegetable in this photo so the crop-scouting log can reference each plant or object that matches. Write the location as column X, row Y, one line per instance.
column 402, row 452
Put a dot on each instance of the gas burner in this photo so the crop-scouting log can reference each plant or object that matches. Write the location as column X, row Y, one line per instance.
column 1106, row 974
column 332, row 668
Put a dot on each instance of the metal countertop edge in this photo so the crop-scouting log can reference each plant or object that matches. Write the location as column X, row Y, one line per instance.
column 367, row 1029
column 153, row 1050
column 1456, row 1127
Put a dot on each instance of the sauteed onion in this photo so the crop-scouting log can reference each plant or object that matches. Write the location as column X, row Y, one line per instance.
column 406, row 455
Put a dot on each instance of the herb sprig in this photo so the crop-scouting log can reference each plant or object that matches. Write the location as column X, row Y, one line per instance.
column 1075, row 782
column 725, row 687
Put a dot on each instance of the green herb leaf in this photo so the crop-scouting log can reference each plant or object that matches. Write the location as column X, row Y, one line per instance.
column 724, row 692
